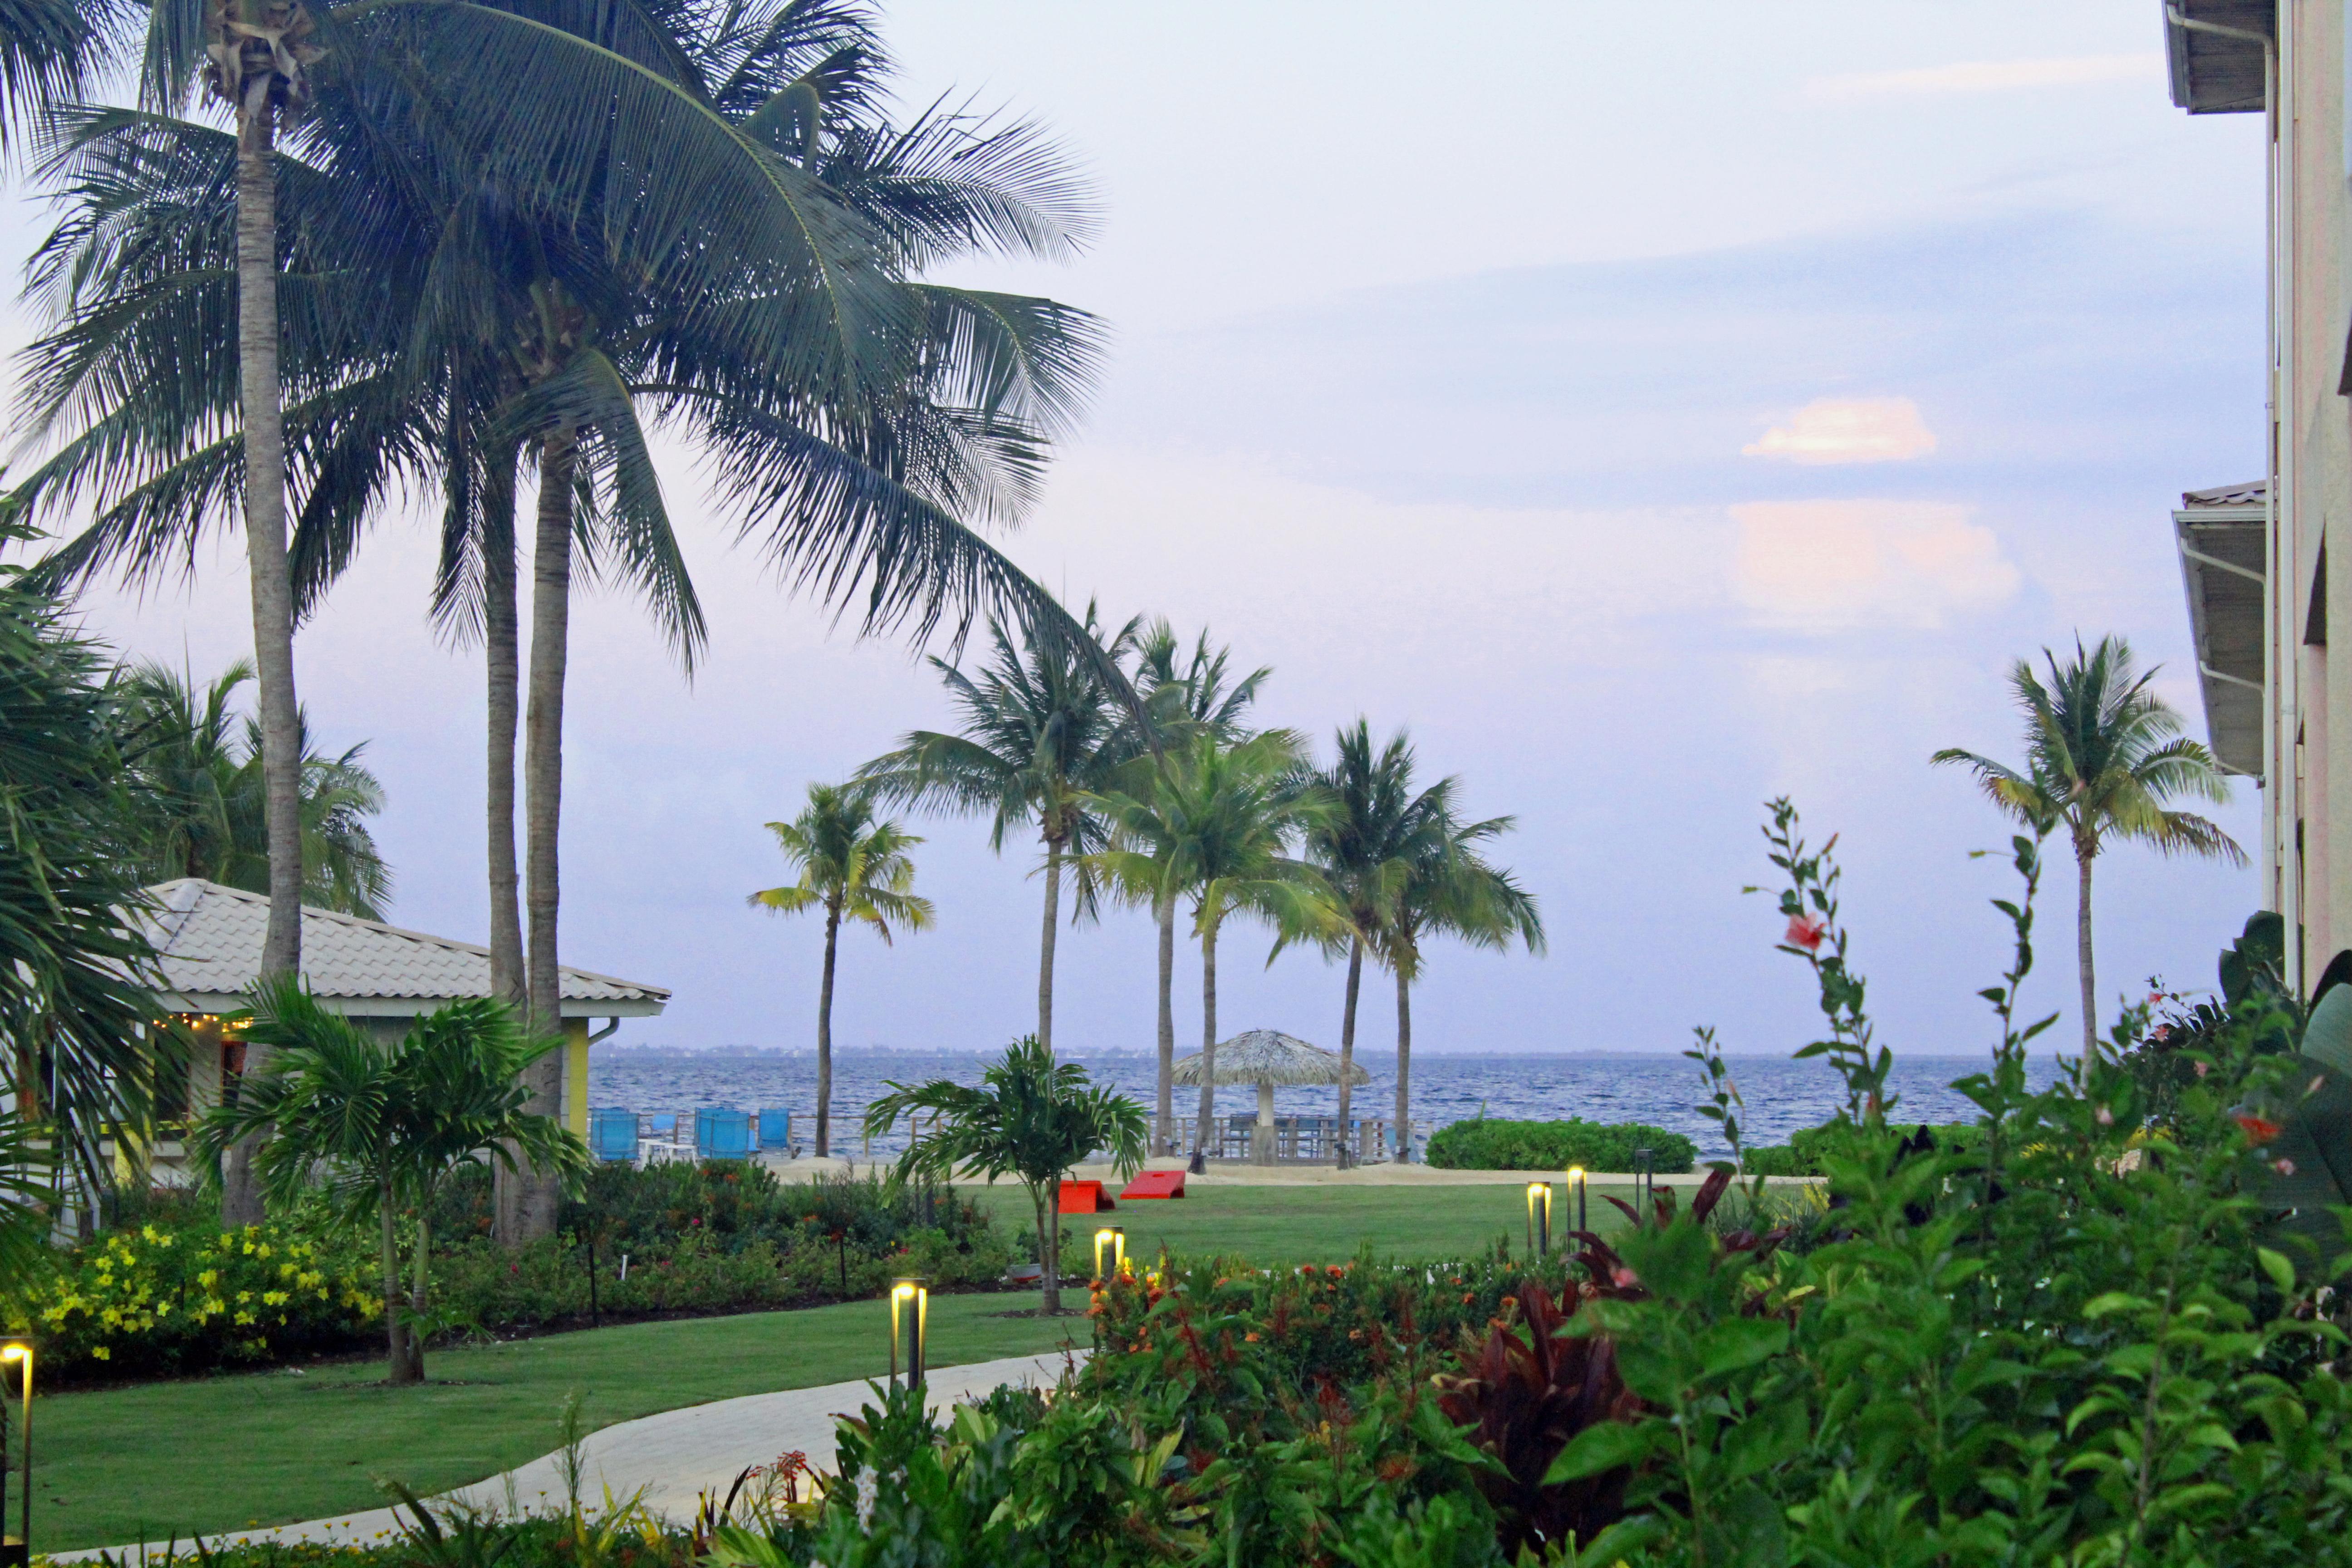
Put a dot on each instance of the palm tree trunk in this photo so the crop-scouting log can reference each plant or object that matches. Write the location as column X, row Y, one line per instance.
column 2084, row 855
column 1045, row 945
column 542, row 768
column 1404, row 1065
column 1208, row 1036
column 1051, row 1254
column 825, row 1036
column 1164, row 1138
column 272, row 590
column 395, row 1366
column 501, row 630
column 420, row 1293
column 1348, row 1045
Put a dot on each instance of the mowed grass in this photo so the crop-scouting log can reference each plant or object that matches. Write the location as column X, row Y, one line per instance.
column 1275, row 1226
column 144, row 1463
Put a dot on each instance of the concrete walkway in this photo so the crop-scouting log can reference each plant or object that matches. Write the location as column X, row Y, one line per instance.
column 672, row 1459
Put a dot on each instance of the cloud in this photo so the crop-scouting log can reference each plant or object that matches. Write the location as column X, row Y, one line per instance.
column 1842, row 565
column 1848, row 430
column 1983, row 76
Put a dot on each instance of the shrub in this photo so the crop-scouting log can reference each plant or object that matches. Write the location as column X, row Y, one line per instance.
column 1802, row 1154
column 177, row 1294
column 1494, row 1145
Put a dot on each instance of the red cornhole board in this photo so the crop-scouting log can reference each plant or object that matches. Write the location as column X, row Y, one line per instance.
column 1085, row 1197
column 1156, row 1184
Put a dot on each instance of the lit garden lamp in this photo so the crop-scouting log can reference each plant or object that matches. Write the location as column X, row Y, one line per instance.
column 15, row 1551
column 1576, row 1184
column 910, row 1306
column 1645, row 1165
column 1110, row 1243
column 1539, row 1218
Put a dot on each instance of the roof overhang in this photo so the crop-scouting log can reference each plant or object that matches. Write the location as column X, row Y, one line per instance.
column 401, row 1008
column 2224, row 551
column 2215, row 54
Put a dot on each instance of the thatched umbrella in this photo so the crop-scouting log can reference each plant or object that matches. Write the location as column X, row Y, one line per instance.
column 1266, row 1057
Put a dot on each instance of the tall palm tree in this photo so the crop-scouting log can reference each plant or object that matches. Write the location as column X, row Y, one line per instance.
column 1216, row 827
column 851, row 867
column 1379, row 830
column 1186, row 697
column 198, row 803
column 1044, row 729
column 2102, row 756
column 1450, row 889
column 471, row 313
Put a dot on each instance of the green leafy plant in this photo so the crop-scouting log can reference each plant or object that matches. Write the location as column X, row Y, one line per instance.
column 1486, row 1144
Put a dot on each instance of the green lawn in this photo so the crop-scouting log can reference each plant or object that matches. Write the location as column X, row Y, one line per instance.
column 224, row 1453
column 1303, row 1224
column 229, row 1452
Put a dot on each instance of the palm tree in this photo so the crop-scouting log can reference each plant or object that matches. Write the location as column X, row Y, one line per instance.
column 1184, row 699
column 1215, row 828
column 1032, row 1118
column 199, row 798
column 851, row 867
column 1044, row 729
column 471, row 312
column 385, row 1127
column 78, row 1059
column 1448, row 889
column 2103, row 754
column 1379, row 829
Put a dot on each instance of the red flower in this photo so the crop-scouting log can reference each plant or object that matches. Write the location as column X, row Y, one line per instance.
column 1622, row 1277
column 2284, row 1167
column 2257, row 1129
column 1806, row 931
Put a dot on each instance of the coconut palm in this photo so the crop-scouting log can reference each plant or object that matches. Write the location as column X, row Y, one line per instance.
column 1185, row 697
column 469, row 318
column 2102, row 756
column 1044, row 727
column 851, row 867
column 197, row 800
column 385, row 1126
column 1448, row 889
column 1216, row 827
column 1379, row 829
column 1030, row 1118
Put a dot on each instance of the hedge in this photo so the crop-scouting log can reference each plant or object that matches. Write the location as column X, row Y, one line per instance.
column 1802, row 1154
column 1493, row 1145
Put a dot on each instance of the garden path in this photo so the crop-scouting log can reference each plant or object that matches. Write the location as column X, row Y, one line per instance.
column 672, row 1459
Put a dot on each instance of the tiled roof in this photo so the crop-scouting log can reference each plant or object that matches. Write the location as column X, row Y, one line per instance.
column 210, row 937
column 2255, row 493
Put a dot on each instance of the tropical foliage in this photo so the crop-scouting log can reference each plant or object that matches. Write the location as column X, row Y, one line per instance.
column 1032, row 1118
column 851, row 867
column 1482, row 1144
column 385, row 1126
column 198, row 794
column 2104, row 753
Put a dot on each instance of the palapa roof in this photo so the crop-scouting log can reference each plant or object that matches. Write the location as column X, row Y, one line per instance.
column 208, row 937
column 1269, row 1055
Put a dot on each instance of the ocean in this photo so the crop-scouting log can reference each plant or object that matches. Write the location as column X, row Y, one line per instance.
column 1663, row 1091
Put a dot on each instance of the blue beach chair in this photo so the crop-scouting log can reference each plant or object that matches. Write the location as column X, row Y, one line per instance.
column 720, row 1133
column 775, row 1129
column 664, row 1126
column 612, row 1135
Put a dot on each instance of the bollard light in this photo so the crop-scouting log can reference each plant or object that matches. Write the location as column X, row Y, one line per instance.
column 17, row 1550
column 1576, row 1184
column 1539, row 1217
column 1645, row 1163
column 910, row 1306
column 1110, row 1242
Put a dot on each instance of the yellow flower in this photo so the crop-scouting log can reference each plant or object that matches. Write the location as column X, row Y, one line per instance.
column 242, row 1318
column 273, row 1298
column 99, row 1353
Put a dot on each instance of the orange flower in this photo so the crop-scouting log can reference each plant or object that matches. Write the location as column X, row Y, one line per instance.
column 1251, row 1337
column 2259, row 1130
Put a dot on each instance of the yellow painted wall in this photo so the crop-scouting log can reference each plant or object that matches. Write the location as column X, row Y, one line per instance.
column 575, row 1075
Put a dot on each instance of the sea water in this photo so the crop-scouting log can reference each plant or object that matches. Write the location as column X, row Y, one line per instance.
column 1661, row 1090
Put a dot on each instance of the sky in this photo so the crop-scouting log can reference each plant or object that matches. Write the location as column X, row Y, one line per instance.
column 1653, row 411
